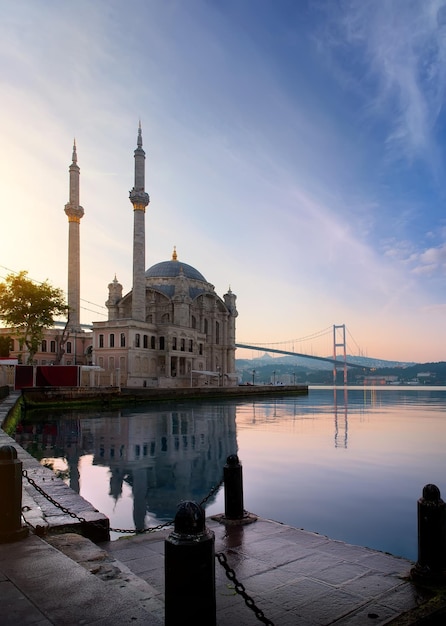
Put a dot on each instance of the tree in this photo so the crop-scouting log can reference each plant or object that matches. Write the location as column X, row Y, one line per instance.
column 28, row 308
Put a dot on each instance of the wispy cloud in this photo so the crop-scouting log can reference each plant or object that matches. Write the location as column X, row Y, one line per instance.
column 431, row 261
column 396, row 53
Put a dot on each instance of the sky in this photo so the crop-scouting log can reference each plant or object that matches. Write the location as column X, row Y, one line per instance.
column 295, row 152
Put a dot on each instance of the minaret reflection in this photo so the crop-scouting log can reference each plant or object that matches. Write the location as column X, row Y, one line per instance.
column 165, row 456
column 341, row 431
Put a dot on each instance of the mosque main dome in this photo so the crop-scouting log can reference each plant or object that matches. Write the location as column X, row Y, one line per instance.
column 173, row 269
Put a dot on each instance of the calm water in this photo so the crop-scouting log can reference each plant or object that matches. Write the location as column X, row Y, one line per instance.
column 350, row 464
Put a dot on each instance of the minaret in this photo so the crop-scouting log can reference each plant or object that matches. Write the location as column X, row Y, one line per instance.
column 140, row 199
column 74, row 212
column 230, row 301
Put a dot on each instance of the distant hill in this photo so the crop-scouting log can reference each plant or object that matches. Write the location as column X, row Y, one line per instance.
column 314, row 364
column 288, row 369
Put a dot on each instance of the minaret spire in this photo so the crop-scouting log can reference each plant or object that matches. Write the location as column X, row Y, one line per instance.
column 140, row 199
column 74, row 212
column 139, row 142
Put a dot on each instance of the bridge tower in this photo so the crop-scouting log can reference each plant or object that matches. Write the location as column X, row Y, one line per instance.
column 339, row 343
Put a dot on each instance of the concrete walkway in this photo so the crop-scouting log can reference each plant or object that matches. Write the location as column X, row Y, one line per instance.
column 294, row 577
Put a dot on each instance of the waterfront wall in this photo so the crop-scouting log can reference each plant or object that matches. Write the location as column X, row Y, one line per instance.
column 108, row 396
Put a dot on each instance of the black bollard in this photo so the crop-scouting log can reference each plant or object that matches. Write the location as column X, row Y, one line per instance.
column 189, row 569
column 10, row 496
column 431, row 535
column 233, row 479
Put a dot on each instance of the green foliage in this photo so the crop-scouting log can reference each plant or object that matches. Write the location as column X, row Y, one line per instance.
column 28, row 308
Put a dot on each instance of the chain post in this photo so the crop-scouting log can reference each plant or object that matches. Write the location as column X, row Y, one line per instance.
column 233, row 479
column 189, row 569
column 11, row 496
column 431, row 563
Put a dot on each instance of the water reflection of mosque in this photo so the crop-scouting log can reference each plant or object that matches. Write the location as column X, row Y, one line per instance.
column 163, row 455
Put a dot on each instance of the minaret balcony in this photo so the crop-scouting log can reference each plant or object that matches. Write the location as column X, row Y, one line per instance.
column 139, row 197
column 74, row 211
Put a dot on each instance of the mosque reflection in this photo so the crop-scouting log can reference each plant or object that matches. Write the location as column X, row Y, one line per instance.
column 163, row 455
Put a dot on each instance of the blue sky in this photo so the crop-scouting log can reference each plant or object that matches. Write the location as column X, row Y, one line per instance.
column 295, row 152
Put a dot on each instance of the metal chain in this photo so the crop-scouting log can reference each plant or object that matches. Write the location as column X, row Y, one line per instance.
column 240, row 589
column 132, row 531
column 211, row 493
column 126, row 531
column 50, row 499
column 135, row 531
column 230, row 573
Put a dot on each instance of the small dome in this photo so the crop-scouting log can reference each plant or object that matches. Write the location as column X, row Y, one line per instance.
column 172, row 269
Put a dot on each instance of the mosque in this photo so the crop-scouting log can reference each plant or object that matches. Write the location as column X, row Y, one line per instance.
column 170, row 330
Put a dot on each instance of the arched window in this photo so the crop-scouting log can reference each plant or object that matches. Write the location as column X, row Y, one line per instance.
column 68, row 347
column 145, row 341
column 191, row 345
column 137, row 340
column 122, row 340
column 112, row 340
column 162, row 343
column 52, row 346
column 43, row 345
column 174, row 343
column 152, row 342
column 101, row 341
column 193, row 322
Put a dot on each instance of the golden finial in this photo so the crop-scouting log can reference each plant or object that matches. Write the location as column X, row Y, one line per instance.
column 174, row 254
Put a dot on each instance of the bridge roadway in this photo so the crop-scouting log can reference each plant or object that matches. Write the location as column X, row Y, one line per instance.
column 300, row 354
column 295, row 577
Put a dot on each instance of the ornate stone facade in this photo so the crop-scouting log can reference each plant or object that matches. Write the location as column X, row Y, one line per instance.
column 187, row 339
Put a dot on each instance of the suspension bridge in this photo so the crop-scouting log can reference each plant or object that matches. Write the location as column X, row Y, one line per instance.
column 339, row 358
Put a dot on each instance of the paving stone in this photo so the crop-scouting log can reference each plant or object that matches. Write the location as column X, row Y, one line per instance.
column 17, row 609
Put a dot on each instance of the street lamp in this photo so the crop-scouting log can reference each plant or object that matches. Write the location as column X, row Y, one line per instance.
column 274, row 375
column 253, row 376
